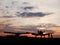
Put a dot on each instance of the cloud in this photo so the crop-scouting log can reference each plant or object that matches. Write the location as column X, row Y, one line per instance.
column 7, row 16
column 29, row 7
column 48, row 25
column 7, row 28
column 33, row 14
column 42, row 6
column 26, row 3
column 28, row 28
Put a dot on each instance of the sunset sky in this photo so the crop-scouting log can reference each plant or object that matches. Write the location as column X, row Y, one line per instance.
column 21, row 15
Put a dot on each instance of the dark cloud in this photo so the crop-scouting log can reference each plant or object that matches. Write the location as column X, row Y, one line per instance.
column 31, row 7
column 6, row 16
column 33, row 14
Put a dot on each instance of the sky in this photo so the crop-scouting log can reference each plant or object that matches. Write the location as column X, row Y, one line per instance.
column 17, row 13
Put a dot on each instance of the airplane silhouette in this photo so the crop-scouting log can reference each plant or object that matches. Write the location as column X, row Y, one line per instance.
column 36, row 34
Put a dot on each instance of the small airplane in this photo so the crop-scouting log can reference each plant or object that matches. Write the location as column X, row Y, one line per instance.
column 36, row 34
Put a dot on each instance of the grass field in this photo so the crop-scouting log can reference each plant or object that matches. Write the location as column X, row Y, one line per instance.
column 28, row 40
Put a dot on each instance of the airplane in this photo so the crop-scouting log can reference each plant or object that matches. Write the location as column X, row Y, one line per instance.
column 36, row 34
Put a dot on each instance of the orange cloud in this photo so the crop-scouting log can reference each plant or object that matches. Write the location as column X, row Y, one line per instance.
column 4, row 34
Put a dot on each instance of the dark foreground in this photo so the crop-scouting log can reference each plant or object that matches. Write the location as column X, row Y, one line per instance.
column 28, row 40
